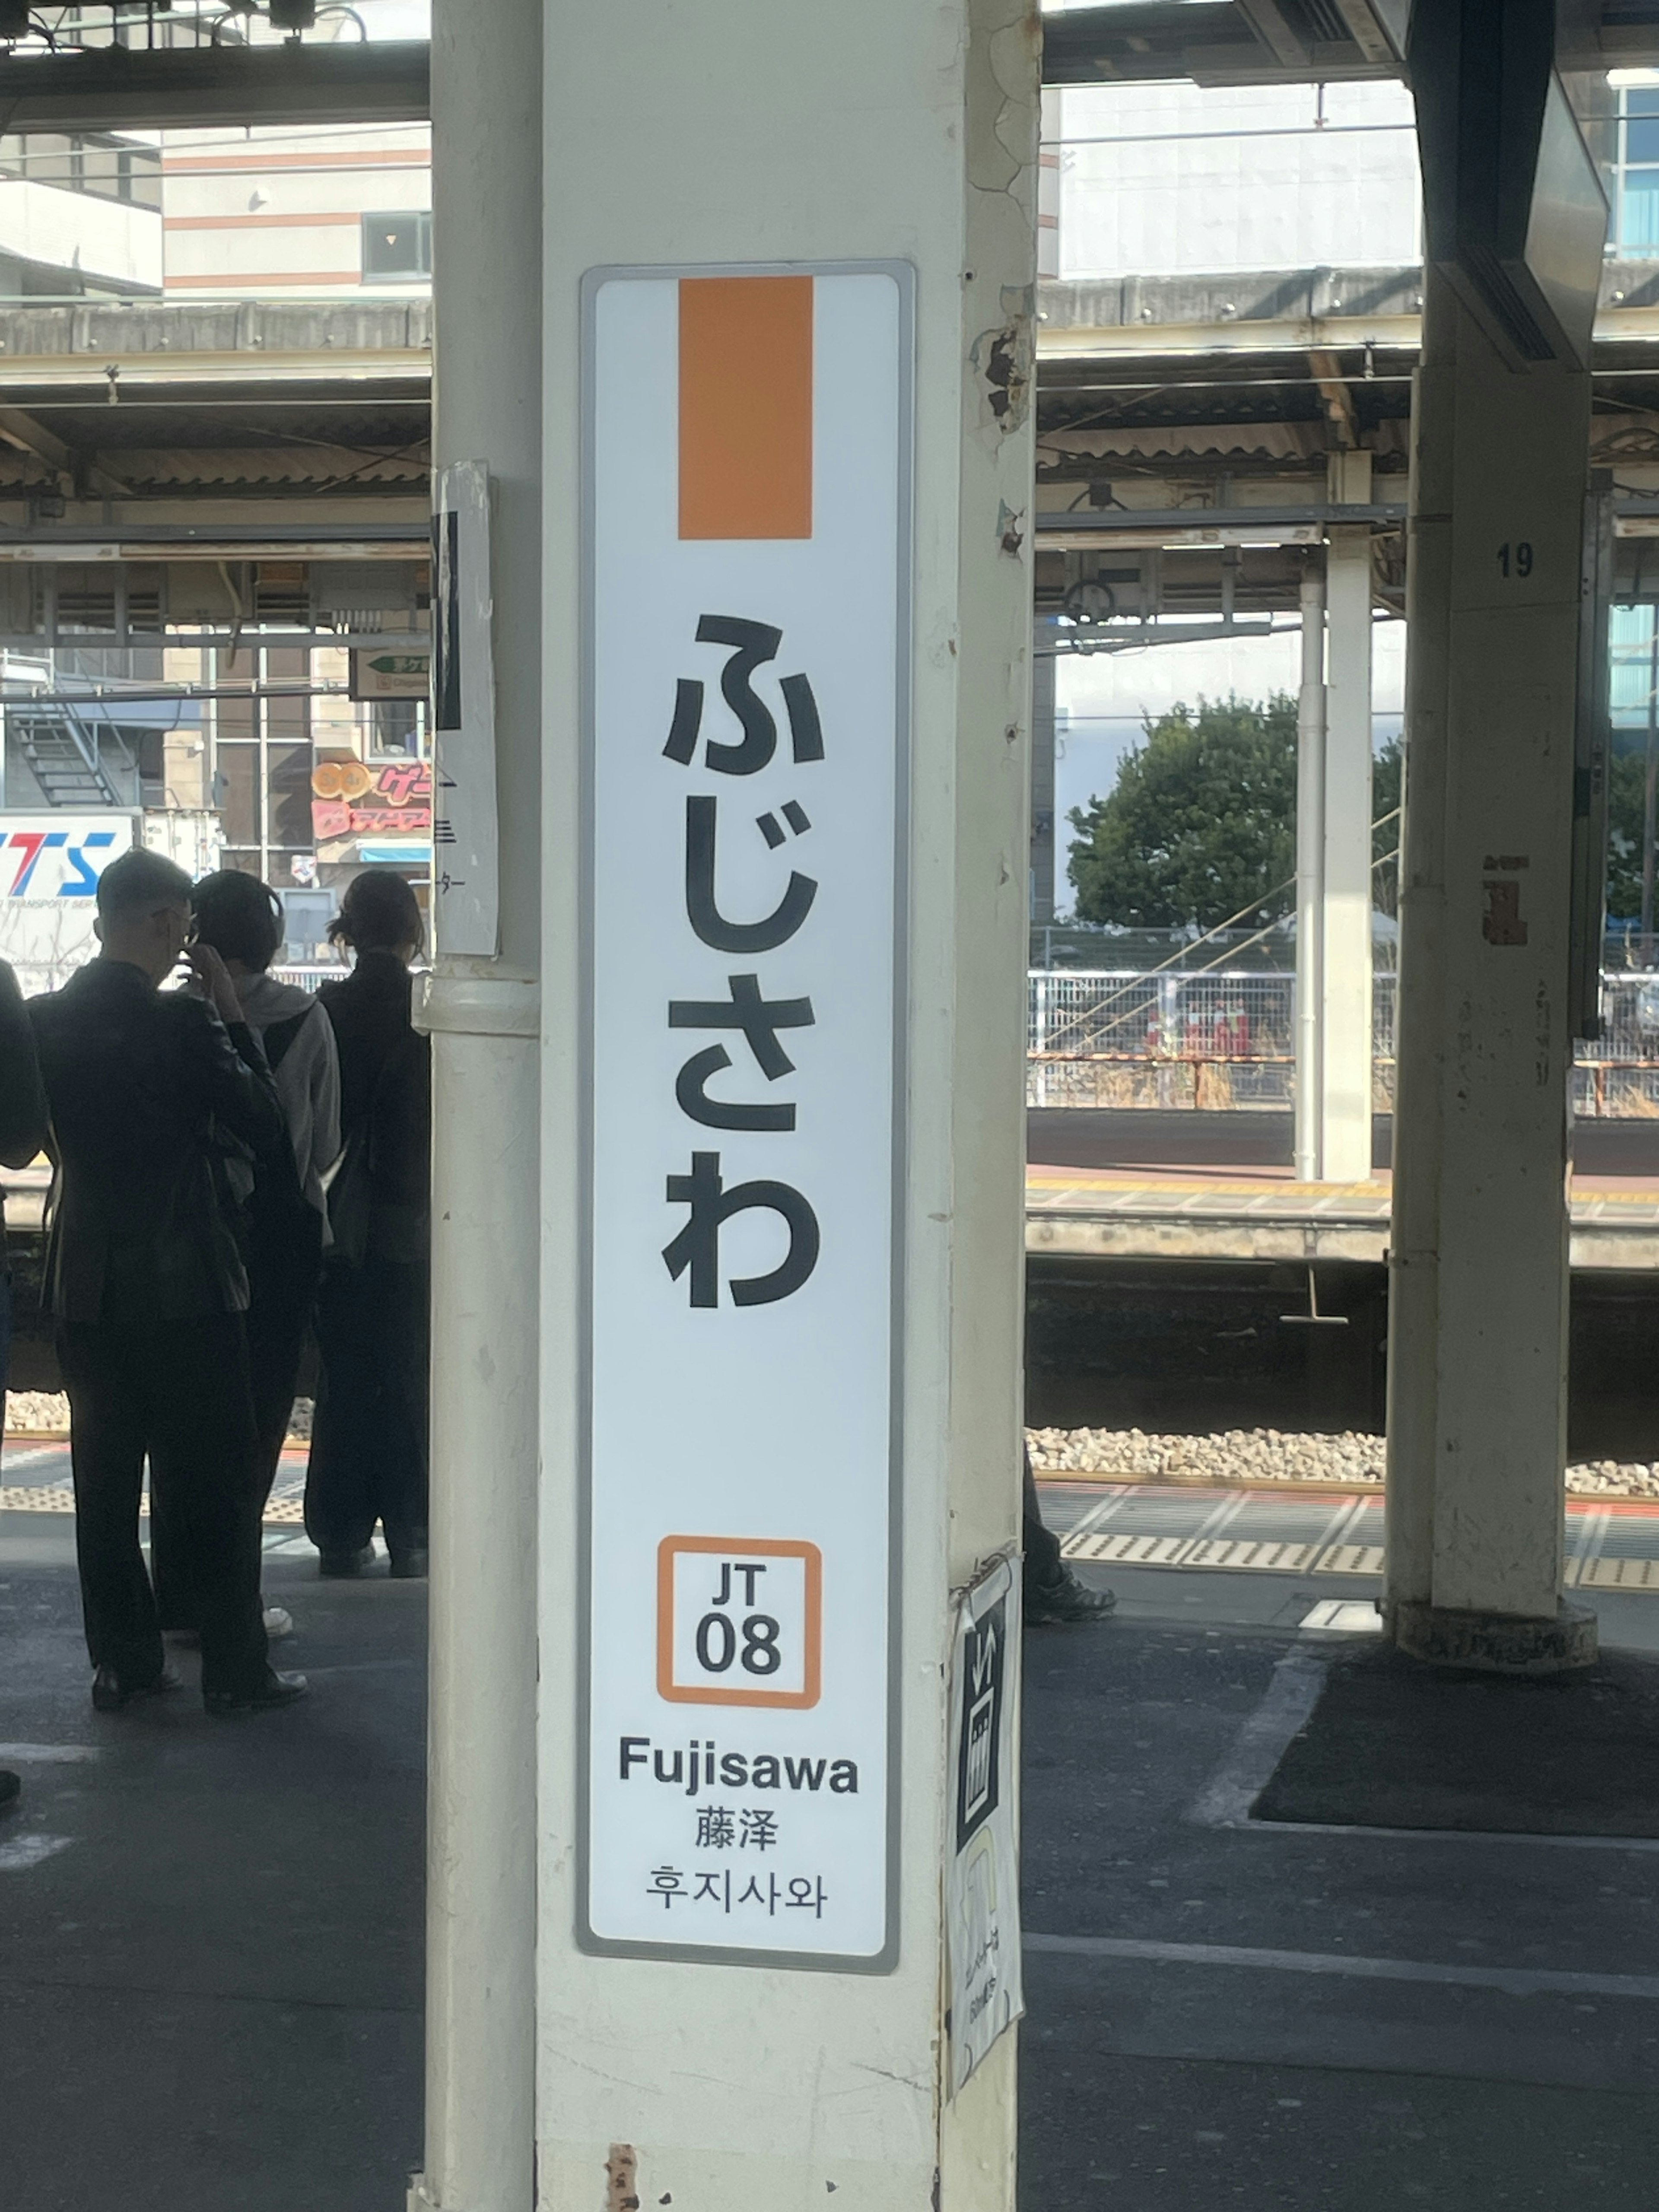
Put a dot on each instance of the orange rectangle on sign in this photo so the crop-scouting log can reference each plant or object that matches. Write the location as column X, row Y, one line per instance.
column 745, row 407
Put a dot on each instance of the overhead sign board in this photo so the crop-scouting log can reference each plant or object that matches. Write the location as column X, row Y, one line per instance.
column 746, row 527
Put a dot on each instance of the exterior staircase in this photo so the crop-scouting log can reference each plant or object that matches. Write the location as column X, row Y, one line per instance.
column 64, row 753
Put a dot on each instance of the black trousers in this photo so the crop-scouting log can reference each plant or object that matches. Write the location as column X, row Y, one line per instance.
column 282, row 1272
column 1041, row 1545
column 368, row 1443
column 177, row 1391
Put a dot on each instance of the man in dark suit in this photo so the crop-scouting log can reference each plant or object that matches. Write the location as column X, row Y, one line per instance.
column 146, row 1090
column 22, row 1133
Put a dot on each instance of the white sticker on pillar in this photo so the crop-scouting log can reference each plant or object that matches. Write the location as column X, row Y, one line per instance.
column 747, row 537
column 465, row 829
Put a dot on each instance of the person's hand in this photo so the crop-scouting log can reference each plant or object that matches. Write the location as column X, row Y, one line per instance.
column 209, row 979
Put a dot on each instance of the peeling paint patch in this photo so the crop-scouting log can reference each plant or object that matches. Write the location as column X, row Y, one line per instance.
column 621, row 2192
column 1001, row 359
column 1010, row 535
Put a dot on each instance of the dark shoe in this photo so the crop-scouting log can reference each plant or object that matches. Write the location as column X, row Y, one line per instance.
column 10, row 1789
column 1065, row 1600
column 110, row 1692
column 184, row 1639
column 345, row 1567
column 274, row 1690
column 409, row 1566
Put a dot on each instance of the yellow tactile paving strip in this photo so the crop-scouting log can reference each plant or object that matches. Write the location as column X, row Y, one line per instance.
column 57, row 1497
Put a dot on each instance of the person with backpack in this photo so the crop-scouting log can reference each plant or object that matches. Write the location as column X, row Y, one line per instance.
column 279, row 1206
column 369, row 1446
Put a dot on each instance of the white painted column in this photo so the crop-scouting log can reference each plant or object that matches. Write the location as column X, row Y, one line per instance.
column 1044, row 840
column 748, row 135
column 1310, row 880
column 1345, row 890
column 1479, row 1298
column 482, row 1018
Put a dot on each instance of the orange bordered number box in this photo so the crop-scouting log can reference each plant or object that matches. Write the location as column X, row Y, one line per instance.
column 739, row 1621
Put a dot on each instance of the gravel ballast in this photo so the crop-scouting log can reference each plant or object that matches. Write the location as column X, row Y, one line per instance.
column 1349, row 1460
column 1236, row 1455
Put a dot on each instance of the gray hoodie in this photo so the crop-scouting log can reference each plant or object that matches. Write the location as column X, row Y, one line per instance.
column 307, row 1077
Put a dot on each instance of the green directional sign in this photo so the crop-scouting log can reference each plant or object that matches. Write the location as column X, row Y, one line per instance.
column 390, row 675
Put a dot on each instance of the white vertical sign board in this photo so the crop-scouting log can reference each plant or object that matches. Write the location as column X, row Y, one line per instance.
column 981, row 1880
column 466, row 830
column 747, row 701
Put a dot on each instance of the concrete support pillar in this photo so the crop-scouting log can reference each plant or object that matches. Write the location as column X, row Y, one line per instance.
column 1346, row 900
column 1310, row 880
column 482, row 1018
column 1479, row 1298
column 685, row 2057
column 1333, row 850
column 1044, row 667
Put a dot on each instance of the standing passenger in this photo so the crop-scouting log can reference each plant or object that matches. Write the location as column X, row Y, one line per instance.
column 22, row 1133
column 282, row 1208
column 147, row 1285
column 369, row 1446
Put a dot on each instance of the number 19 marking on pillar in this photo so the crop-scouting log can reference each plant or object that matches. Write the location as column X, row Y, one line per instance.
column 739, row 1621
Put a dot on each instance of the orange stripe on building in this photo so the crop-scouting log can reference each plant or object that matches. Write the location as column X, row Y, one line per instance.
column 745, row 407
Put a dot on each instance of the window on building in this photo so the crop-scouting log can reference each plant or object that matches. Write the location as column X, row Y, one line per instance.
column 1637, row 216
column 261, row 761
column 397, row 247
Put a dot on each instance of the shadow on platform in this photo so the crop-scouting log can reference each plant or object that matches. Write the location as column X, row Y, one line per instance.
column 211, row 1982
column 1328, row 2019
column 211, row 1977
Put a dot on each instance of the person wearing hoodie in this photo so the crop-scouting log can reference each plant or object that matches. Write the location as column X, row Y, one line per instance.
column 280, row 1206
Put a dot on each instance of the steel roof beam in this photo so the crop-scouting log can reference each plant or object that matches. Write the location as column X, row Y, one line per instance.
column 115, row 87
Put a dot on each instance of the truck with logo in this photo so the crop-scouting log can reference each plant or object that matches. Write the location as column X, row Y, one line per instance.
column 50, row 864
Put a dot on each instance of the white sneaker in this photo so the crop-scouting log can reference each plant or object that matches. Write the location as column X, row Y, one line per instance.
column 279, row 1622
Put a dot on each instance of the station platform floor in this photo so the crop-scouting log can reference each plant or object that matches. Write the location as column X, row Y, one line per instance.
column 1318, row 1533
column 1189, row 1186
column 210, row 1979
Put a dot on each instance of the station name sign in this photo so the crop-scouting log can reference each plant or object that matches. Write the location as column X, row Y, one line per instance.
column 747, row 439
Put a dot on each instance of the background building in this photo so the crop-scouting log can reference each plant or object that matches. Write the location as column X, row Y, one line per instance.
column 214, row 488
column 1234, row 306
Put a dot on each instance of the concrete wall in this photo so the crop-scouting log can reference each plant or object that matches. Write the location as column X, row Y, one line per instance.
column 107, row 239
column 1197, row 180
column 281, row 211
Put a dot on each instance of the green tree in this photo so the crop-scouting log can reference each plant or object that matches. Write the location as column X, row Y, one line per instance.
column 1626, row 798
column 1388, row 778
column 1200, row 823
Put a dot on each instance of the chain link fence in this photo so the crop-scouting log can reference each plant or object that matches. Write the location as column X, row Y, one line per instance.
column 1120, row 1037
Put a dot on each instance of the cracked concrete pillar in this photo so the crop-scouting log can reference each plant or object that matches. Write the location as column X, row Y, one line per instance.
column 789, row 262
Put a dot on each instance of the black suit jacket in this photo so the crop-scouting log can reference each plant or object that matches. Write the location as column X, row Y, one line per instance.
column 145, row 1088
column 22, row 1101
